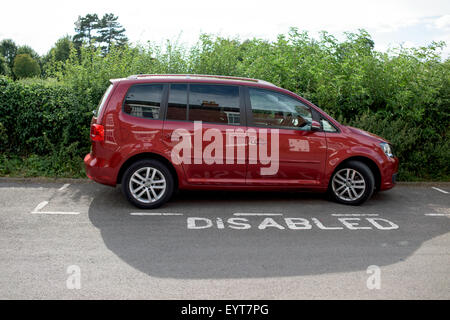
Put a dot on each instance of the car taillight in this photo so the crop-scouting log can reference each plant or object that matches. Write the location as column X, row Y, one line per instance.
column 97, row 132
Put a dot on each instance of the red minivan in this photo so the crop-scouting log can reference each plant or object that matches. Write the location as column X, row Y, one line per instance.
column 156, row 133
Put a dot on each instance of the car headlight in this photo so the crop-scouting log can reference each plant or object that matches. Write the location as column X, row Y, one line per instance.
column 387, row 149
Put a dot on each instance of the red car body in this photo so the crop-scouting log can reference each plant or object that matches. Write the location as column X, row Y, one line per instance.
column 128, row 138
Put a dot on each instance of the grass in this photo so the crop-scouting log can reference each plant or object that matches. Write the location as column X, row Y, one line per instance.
column 41, row 166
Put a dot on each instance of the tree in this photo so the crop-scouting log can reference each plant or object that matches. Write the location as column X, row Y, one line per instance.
column 111, row 31
column 33, row 54
column 8, row 49
column 59, row 53
column 28, row 50
column 4, row 69
column 61, row 49
column 85, row 29
column 25, row 66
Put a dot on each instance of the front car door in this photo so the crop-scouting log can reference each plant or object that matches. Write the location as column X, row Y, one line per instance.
column 301, row 151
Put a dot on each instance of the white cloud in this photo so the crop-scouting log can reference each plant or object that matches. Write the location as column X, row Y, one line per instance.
column 443, row 22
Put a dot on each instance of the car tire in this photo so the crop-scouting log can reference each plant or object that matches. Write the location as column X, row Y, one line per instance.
column 147, row 184
column 352, row 183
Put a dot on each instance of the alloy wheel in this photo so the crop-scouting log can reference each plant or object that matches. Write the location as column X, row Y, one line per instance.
column 147, row 185
column 348, row 184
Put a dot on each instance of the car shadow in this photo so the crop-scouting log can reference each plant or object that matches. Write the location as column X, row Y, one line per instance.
column 163, row 246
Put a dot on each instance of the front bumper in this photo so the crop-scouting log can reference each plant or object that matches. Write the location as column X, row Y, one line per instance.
column 389, row 174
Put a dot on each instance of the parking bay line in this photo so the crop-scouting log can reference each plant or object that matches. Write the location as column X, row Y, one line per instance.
column 43, row 204
column 257, row 214
column 154, row 214
column 40, row 206
column 355, row 215
column 440, row 190
column 64, row 187
column 55, row 212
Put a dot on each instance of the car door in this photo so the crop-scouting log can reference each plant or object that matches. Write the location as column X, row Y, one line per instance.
column 210, row 116
column 295, row 154
column 140, row 121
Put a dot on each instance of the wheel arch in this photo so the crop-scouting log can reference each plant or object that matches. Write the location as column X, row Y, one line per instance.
column 368, row 162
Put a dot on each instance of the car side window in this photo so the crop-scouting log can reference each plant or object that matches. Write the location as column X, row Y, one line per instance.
column 273, row 109
column 177, row 104
column 327, row 126
column 144, row 101
column 214, row 103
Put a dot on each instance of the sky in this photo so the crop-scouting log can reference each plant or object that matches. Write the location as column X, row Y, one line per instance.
column 390, row 22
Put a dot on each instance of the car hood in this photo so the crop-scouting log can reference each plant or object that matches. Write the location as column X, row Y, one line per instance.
column 367, row 134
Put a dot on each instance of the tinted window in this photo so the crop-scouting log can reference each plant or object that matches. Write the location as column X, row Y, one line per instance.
column 214, row 103
column 177, row 105
column 144, row 101
column 273, row 109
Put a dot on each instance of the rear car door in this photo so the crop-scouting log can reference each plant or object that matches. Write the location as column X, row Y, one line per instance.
column 211, row 115
column 141, row 120
column 301, row 151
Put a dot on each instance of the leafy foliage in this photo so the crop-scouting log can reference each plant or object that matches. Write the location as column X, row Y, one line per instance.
column 402, row 95
column 45, row 124
column 4, row 69
column 8, row 49
column 25, row 66
column 61, row 49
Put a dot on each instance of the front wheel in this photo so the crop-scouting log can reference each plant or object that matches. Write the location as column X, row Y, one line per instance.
column 147, row 184
column 353, row 183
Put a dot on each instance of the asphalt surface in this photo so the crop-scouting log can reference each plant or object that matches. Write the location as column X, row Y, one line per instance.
column 222, row 245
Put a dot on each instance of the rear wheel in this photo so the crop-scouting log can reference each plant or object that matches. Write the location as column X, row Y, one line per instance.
column 147, row 184
column 353, row 183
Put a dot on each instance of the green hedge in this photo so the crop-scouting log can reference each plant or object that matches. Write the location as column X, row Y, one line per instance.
column 44, row 128
column 402, row 95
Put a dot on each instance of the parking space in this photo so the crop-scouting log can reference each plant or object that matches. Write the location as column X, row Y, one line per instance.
column 222, row 244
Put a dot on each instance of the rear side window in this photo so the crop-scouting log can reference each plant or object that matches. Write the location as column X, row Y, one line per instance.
column 144, row 101
column 204, row 102
column 177, row 104
column 103, row 101
column 214, row 103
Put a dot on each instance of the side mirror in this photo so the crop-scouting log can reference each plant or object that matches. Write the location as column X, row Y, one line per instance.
column 315, row 126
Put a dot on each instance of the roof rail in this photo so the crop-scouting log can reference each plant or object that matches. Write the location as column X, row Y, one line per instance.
column 137, row 76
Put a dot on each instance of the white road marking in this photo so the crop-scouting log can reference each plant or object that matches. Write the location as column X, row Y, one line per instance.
column 43, row 204
column 40, row 206
column 440, row 190
column 355, row 215
column 154, row 214
column 257, row 214
column 374, row 223
column 64, row 187
column 437, row 214
column 55, row 212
